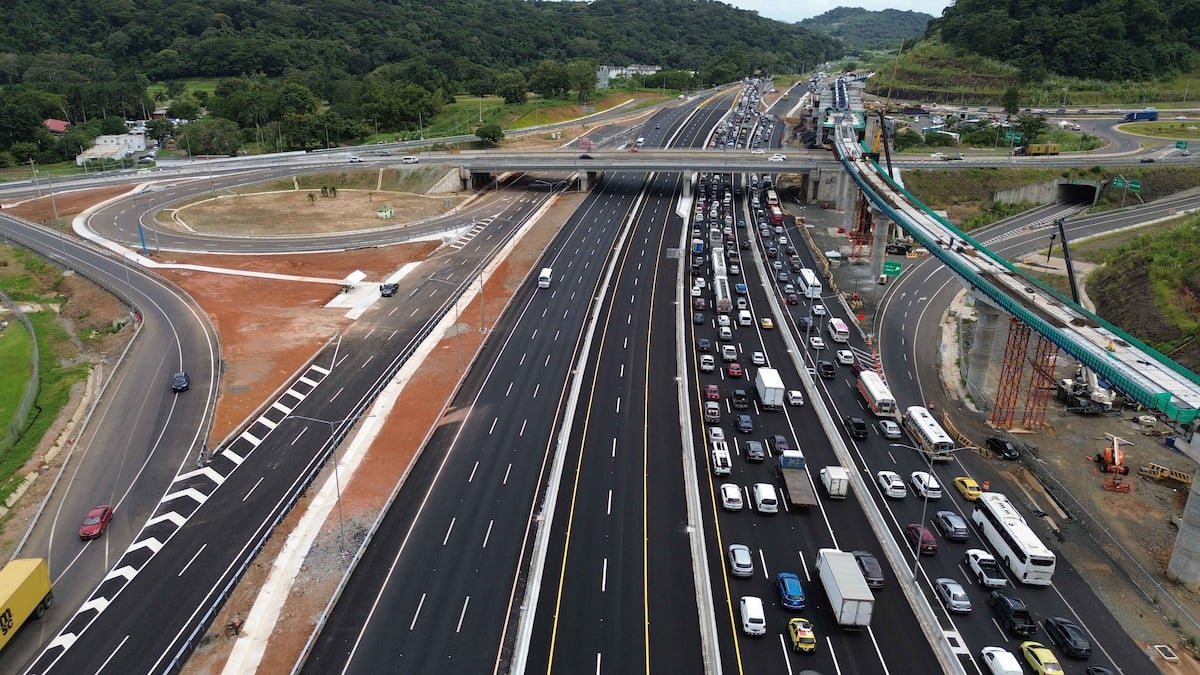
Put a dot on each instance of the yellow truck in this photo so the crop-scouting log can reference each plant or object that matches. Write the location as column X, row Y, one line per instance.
column 25, row 590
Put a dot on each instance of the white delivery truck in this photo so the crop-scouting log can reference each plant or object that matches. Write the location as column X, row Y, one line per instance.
column 849, row 595
column 836, row 481
column 769, row 387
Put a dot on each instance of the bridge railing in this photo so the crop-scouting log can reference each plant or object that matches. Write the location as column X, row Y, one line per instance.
column 1100, row 363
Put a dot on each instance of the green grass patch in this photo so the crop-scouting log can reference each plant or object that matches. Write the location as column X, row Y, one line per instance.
column 16, row 353
column 53, row 342
column 192, row 84
column 1183, row 130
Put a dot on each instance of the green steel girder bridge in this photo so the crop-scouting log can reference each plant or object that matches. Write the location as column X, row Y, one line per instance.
column 1134, row 368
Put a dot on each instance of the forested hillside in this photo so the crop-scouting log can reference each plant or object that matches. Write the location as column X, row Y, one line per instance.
column 211, row 38
column 1098, row 39
column 299, row 74
column 860, row 29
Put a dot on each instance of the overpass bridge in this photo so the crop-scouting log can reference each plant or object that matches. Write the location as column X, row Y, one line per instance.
column 1134, row 368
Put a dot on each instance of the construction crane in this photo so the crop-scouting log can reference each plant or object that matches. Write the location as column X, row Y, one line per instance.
column 1083, row 394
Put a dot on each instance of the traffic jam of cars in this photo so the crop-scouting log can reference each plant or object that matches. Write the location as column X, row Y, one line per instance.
column 736, row 383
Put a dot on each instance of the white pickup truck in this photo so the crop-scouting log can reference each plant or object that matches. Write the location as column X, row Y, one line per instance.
column 983, row 566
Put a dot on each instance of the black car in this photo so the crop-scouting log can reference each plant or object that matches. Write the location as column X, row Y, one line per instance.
column 585, row 156
column 805, row 323
column 1146, row 160
column 826, row 369
column 872, row 571
column 856, row 426
column 1005, row 449
column 180, row 381
column 1012, row 613
column 388, row 290
column 741, row 400
column 1069, row 637
column 698, row 318
column 704, row 344
column 780, row 444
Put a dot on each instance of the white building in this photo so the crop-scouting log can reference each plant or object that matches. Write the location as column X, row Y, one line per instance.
column 115, row 147
column 606, row 73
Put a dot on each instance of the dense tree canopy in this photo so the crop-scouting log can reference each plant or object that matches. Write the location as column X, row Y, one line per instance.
column 1101, row 39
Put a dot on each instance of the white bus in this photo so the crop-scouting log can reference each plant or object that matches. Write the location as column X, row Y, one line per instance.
column 544, row 277
column 838, row 331
column 1014, row 542
column 809, row 284
column 878, row 396
column 930, row 436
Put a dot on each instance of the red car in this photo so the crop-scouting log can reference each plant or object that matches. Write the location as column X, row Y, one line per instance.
column 95, row 522
column 792, row 299
column 915, row 532
column 712, row 392
column 734, row 370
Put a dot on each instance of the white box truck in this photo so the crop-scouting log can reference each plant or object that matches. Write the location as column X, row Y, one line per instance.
column 769, row 387
column 836, row 481
column 849, row 595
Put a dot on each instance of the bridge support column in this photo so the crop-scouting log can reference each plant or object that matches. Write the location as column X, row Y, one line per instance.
column 586, row 178
column 981, row 361
column 1185, row 558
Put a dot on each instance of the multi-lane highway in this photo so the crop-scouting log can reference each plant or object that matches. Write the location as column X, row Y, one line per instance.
column 138, row 436
column 635, row 574
column 209, row 524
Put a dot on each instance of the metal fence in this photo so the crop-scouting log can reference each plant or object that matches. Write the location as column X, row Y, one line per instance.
column 20, row 421
column 1122, row 559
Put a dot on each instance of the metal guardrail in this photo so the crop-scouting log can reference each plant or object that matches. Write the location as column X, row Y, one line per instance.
column 20, row 421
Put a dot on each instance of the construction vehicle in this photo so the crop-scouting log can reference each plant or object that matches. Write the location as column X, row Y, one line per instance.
column 1083, row 393
column 1112, row 460
column 26, row 593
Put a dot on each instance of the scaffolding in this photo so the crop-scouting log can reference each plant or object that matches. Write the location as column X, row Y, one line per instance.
column 1041, row 383
column 1013, row 366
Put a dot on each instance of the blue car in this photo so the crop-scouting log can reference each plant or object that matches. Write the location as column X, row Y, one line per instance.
column 791, row 593
column 740, row 288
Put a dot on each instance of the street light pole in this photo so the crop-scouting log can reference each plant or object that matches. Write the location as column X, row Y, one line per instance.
column 925, row 505
column 337, row 481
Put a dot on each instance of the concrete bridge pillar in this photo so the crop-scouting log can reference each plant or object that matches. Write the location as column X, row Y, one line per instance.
column 983, row 358
column 1185, row 558
column 586, row 178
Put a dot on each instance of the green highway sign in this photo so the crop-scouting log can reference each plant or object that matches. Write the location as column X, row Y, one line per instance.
column 891, row 269
column 1010, row 136
column 1118, row 182
column 1135, row 185
column 1181, row 145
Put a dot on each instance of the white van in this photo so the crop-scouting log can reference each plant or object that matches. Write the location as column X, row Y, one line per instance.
column 639, row 142
column 544, row 277
column 744, row 318
column 754, row 620
column 409, row 159
column 765, row 500
column 722, row 465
